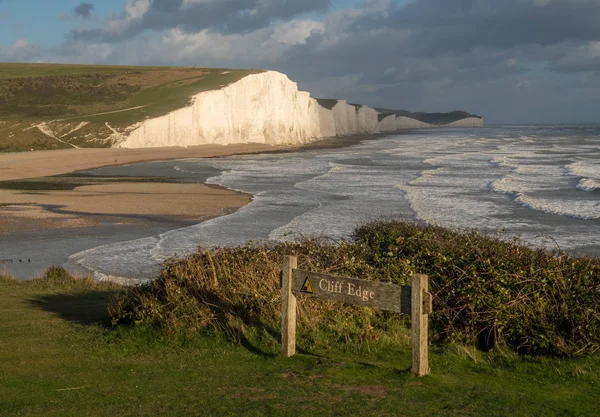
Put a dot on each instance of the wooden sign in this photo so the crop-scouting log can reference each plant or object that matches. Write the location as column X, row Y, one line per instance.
column 374, row 294
column 414, row 300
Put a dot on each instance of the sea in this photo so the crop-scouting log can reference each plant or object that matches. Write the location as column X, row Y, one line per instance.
column 540, row 184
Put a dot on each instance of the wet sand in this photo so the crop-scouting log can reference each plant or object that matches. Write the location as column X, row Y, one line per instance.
column 44, row 226
column 45, row 163
column 125, row 202
column 88, row 205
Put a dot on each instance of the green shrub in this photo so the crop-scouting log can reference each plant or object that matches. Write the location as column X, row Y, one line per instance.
column 486, row 292
column 235, row 291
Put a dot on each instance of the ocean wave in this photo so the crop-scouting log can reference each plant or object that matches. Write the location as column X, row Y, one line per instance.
column 464, row 159
column 181, row 169
column 448, row 207
column 515, row 184
column 587, row 184
column 584, row 169
column 446, row 180
column 582, row 209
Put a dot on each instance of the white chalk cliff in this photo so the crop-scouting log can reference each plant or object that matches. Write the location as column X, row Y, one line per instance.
column 387, row 123
column 403, row 122
column 264, row 108
column 467, row 122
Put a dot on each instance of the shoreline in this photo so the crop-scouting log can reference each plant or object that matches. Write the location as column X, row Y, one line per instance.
column 60, row 216
column 23, row 165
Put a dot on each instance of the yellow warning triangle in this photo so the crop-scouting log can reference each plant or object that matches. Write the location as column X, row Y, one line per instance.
column 307, row 286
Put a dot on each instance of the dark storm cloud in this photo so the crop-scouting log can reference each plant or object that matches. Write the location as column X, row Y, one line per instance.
column 458, row 25
column 225, row 16
column 486, row 56
column 84, row 10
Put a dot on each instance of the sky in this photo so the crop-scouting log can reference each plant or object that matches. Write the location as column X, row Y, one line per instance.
column 511, row 61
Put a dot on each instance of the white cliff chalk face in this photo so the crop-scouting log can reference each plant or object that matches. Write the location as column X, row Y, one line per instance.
column 468, row 122
column 264, row 108
column 326, row 122
column 352, row 119
column 344, row 117
column 387, row 124
column 403, row 122
column 367, row 120
column 260, row 108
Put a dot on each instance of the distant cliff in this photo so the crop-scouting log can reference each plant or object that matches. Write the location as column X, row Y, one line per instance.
column 54, row 106
column 267, row 107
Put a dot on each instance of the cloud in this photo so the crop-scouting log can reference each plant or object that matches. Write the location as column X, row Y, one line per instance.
column 84, row 10
column 20, row 51
column 194, row 16
column 498, row 58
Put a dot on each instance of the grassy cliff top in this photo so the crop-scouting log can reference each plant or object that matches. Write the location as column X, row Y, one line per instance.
column 50, row 91
column 52, row 106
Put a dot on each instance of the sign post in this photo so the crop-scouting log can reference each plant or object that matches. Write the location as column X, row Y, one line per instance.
column 288, row 308
column 414, row 300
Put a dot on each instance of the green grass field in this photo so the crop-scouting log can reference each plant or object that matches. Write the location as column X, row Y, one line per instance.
column 82, row 105
column 60, row 357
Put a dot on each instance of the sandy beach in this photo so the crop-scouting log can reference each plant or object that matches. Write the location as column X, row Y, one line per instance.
column 48, row 211
column 44, row 223
column 123, row 202
column 88, row 205
column 45, row 163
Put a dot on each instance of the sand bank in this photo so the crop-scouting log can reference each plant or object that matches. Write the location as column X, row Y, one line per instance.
column 116, row 203
column 139, row 202
column 122, row 202
column 45, row 163
column 48, row 225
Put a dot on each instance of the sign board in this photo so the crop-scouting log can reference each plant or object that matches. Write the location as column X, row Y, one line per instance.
column 415, row 300
column 374, row 294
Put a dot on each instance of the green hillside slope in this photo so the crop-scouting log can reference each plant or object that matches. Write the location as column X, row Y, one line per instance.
column 47, row 106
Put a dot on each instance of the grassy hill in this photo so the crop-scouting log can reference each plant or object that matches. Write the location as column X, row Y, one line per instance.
column 203, row 339
column 53, row 106
column 48, row 106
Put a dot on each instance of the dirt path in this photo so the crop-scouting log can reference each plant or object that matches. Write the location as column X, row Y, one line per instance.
column 103, row 113
column 43, row 127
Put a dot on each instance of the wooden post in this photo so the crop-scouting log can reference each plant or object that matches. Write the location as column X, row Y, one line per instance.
column 288, row 308
column 420, row 310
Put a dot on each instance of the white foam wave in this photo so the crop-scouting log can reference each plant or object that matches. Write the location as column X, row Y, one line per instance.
column 584, row 169
column 582, row 209
column 464, row 159
column 446, row 180
column 587, row 184
column 181, row 169
column 330, row 192
column 448, row 208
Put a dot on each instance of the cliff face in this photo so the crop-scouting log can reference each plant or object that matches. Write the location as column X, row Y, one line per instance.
column 468, row 122
column 403, row 122
column 387, row 124
column 265, row 108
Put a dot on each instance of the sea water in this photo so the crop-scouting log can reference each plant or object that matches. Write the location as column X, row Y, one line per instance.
column 538, row 183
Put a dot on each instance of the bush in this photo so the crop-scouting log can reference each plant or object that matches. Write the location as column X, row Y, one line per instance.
column 486, row 292
column 235, row 291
